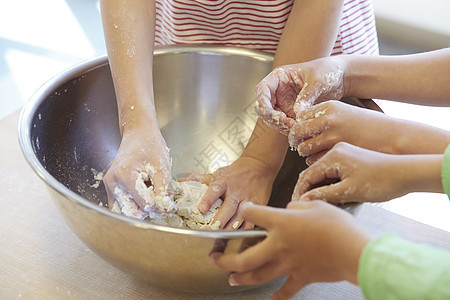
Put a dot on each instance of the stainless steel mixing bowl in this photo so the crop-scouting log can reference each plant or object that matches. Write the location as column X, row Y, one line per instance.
column 69, row 132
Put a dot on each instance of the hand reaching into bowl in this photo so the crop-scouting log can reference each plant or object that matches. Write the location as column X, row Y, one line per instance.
column 289, row 89
column 309, row 242
column 245, row 180
column 359, row 175
column 139, row 178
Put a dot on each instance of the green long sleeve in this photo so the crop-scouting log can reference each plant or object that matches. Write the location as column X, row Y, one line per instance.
column 445, row 171
column 393, row 268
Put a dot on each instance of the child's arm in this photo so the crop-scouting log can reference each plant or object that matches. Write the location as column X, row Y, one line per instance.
column 320, row 127
column 419, row 78
column 308, row 241
column 306, row 36
column 317, row 242
column 129, row 33
column 310, row 33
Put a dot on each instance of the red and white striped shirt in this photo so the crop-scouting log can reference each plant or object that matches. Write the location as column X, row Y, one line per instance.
column 255, row 24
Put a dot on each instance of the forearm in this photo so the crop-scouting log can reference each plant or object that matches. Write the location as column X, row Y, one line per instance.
column 310, row 32
column 267, row 146
column 418, row 173
column 305, row 37
column 417, row 138
column 419, row 78
column 129, row 34
column 347, row 254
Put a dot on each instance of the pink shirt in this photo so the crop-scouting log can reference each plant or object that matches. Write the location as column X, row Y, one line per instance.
column 255, row 24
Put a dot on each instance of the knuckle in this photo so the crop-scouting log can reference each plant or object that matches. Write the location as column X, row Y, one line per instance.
column 216, row 187
column 234, row 200
column 328, row 121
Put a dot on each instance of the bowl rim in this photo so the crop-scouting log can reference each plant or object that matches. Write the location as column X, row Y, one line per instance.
column 48, row 88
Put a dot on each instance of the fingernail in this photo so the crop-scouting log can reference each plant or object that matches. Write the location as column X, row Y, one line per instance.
column 232, row 281
column 216, row 225
column 236, row 225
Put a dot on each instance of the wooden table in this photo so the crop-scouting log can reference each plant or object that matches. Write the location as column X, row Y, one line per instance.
column 41, row 258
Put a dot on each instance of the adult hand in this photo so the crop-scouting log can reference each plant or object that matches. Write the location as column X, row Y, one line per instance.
column 139, row 178
column 245, row 180
column 308, row 241
column 361, row 175
column 289, row 89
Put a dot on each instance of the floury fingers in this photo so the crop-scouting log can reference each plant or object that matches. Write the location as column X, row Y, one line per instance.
column 161, row 202
column 186, row 199
column 125, row 204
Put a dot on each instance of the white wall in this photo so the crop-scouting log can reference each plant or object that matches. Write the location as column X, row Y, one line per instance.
column 424, row 24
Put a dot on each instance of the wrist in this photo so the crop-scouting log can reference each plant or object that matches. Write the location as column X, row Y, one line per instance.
column 270, row 151
column 408, row 138
column 142, row 132
column 398, row 140
column 261, row 166
column 419, row 173
column 347, row 79
column 445, row 171
column 349, row 263
column 137, row 117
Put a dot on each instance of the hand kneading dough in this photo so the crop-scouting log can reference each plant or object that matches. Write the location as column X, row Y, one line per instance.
column 187, row 198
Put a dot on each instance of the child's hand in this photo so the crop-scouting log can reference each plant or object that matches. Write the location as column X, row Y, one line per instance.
column 351, row 174
column 245, row 180
column 322, row 126
column 139, row 149
column 288, row 90
column 308, row 241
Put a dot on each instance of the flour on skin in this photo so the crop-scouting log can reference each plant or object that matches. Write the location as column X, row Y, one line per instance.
column 184, row 212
